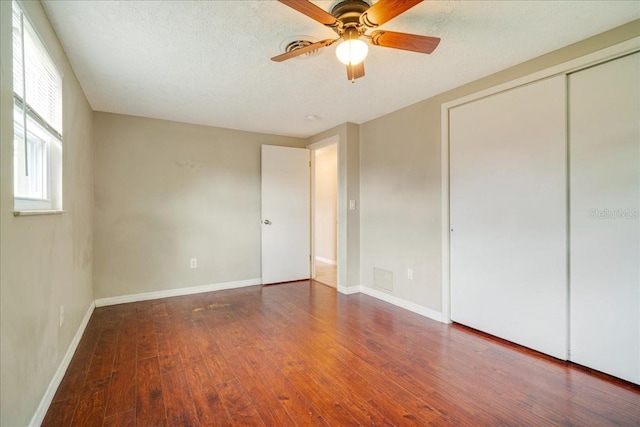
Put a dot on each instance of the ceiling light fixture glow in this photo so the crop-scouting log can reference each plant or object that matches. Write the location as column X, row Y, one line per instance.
column 352, row 51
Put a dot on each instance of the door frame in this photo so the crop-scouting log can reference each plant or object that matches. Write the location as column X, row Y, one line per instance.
column 594, row 58
column 341, row 232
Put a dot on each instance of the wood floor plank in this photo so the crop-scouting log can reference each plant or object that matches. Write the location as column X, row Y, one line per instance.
column 298, row 407
column 402, row 370
column 408, row 405
column 318, row 394
column 369, row 390
column 206, row 399
column 147, row 346
column 74, row 378
column 126, row 348
column 266, row 403
column 187, row 344
column 302, row 354
column 238, row 404
column 332, row 410
column 122, row 388
column 203, row 338
column 219, row 368
column 91, row 404
column 60, row 413
column 168, row 353
column 150, row 408
column 86, row 347
column 177, row 399
column 123, row 419
column 324, row 351
column 72, row 382
column 316, row 368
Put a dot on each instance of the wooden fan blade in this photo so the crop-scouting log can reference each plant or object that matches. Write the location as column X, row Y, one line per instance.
column 385, row 10
column 412, row 42
column 355, row 71
column 312, row 11
column 303, row 50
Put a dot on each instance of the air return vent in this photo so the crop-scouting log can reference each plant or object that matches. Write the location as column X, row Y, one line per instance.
column 383, row 279
column 298, row 42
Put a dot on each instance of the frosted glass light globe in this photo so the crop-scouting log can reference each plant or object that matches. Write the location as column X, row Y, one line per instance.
column 352, row 51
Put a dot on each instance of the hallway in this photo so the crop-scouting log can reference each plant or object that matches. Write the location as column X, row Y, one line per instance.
column 326, row 273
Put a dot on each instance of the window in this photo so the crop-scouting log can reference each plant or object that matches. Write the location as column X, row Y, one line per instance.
column 37, row 121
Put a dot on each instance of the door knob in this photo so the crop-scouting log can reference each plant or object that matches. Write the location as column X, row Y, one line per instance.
column 266, row 222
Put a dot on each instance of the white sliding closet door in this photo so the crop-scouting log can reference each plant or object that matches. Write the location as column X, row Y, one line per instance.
column 604, row 143
column 508, row 214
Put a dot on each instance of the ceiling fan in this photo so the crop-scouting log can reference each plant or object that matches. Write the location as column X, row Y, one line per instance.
column 351, row 19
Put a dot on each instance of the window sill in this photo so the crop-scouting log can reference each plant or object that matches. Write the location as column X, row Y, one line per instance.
column 39, row 212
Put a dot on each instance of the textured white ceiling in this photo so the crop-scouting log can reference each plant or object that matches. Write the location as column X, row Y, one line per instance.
column 207, row 62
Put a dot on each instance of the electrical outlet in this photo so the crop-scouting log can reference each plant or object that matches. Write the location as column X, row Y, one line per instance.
column 61, row 315
column 410, row 273
column 193, row 263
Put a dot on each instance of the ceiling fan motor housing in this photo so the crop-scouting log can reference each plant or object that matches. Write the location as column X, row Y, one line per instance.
column 349, row 12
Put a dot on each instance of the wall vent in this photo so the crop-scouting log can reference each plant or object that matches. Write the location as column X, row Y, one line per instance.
column 298, row 42
column 383, row 279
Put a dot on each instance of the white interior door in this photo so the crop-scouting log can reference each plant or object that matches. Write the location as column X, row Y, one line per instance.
column 508, row 215
column 286, row 214
column 604, row 141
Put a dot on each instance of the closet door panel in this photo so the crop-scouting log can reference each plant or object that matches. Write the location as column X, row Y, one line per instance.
column 508, row 214
column 604, row 147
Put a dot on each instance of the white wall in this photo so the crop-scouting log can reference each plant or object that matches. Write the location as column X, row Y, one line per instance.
column 46, row 260
column 166, row 192
column 326, row 202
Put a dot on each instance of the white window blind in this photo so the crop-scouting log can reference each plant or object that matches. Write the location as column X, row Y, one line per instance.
column 33, row 68
column 37, row 123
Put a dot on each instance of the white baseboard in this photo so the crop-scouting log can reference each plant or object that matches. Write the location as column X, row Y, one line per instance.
column 43, row 407
column 392, row 299
column 349, row 290
column 102, row 302
column 327, row 260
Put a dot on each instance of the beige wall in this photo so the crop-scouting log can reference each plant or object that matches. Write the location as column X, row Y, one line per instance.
column 166, row 192
column 348, row 136
column 326, row 203
column 401, row 184
column 46, row 260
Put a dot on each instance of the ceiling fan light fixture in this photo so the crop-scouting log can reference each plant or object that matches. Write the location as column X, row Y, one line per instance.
column 351, row 20
column 352, row 51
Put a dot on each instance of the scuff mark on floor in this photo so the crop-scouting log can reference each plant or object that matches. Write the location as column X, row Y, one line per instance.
column 211, row 306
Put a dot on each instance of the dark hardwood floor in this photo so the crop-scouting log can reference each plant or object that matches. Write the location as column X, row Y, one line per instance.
column 301, row 354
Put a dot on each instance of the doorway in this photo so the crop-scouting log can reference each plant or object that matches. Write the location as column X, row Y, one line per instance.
column 325, row 214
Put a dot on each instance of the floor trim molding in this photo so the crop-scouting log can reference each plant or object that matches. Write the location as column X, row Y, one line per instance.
column 349, row 290
column 327, row 260
column 103, row 302
column 392, row 299
column 43, row 407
